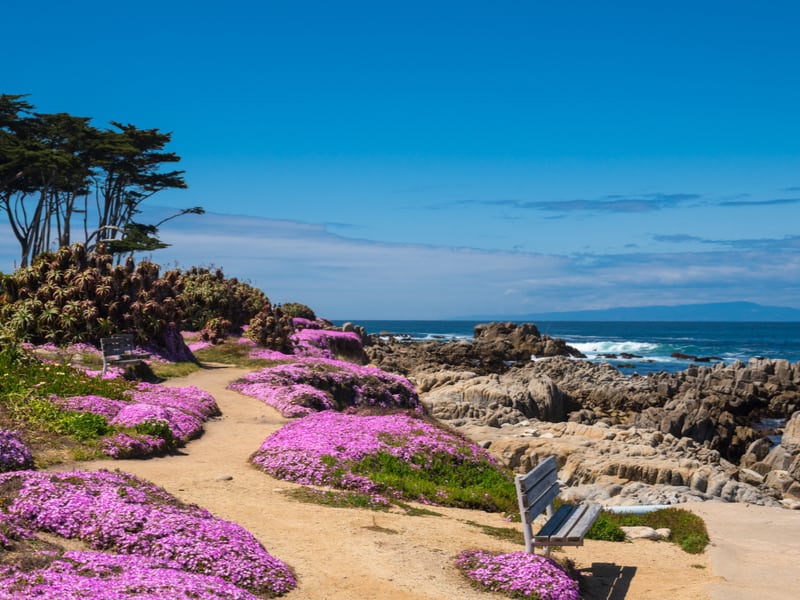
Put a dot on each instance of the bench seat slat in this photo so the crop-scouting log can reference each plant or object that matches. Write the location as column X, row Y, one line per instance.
column 575, row 527
column 556, row 522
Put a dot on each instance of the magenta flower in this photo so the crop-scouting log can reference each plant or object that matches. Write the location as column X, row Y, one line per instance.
column 519, row 575
column 14, row 454
column 313, row 384
column 128, row 516
column 324, row 448
column 104, row 576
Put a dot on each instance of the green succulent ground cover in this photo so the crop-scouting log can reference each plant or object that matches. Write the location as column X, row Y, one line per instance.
column 687, row 529
column 464, row 485
column 55, row 434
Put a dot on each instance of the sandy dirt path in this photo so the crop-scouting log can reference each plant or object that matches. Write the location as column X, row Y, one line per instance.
column 346, row 554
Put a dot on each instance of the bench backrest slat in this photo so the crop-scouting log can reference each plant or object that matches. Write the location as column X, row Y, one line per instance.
column 537, row 488
column 117, row 345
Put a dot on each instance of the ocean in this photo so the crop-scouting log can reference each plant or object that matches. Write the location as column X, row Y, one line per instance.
column 651, row 344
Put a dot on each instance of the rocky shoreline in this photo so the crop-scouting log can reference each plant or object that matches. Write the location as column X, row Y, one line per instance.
column 665, row 438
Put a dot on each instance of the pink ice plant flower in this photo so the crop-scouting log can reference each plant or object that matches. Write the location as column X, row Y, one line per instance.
column 102, row 576
column 183, row 426
column 519, row 575
column 189, row 399
column 313, row 384
column 269, row 354
column 182, row 409
column 14, row 454
column 99, row 405
column 120, row 513
column 318, row 342
column 322, row 448
column 199, row 345
column 132, row 445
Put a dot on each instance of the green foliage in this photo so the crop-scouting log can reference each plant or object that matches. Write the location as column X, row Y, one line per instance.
column 52, row 166
column 297, row 310
column 686, row 528
column 46, row 416
column 159, row 429
column 605, row 529
column 272, row 328
column 85, row 426
column 465, row 485
column 350, row 499
column 693, row 543
column 136, row 237
column 206, row 295
column 21, row 375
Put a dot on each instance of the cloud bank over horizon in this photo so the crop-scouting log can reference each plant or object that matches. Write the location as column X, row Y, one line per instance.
column 347, row 278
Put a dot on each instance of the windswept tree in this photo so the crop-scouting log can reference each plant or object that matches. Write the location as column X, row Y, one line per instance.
column 57, row 170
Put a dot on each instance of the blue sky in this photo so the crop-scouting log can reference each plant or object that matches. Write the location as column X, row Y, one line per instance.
column 445, row 159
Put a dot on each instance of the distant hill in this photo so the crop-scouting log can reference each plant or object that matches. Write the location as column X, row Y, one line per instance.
column 717, row 311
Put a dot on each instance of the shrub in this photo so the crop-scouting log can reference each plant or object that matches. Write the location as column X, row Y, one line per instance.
column 686, row 528
column 605, row 529
column 272, row 329
column 215, row 330
column 70, row 296
column 299, row 311
column 206, row 295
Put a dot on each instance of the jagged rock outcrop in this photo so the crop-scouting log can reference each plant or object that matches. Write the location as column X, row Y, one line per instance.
column 700, row 424
column 495, row 347
column 615, row 465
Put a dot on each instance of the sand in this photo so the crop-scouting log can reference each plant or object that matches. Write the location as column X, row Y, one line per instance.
column 345, row 554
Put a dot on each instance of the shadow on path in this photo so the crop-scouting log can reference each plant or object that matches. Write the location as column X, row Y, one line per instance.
column 606, row 581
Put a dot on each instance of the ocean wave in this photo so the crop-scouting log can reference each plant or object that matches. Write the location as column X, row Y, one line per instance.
column 617, row 347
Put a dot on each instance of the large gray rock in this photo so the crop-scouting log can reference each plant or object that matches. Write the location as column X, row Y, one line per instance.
column 494, row 400
column 791, row 433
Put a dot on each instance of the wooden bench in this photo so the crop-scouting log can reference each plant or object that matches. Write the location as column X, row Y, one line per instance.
column 566, row 526
column 120, row 350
